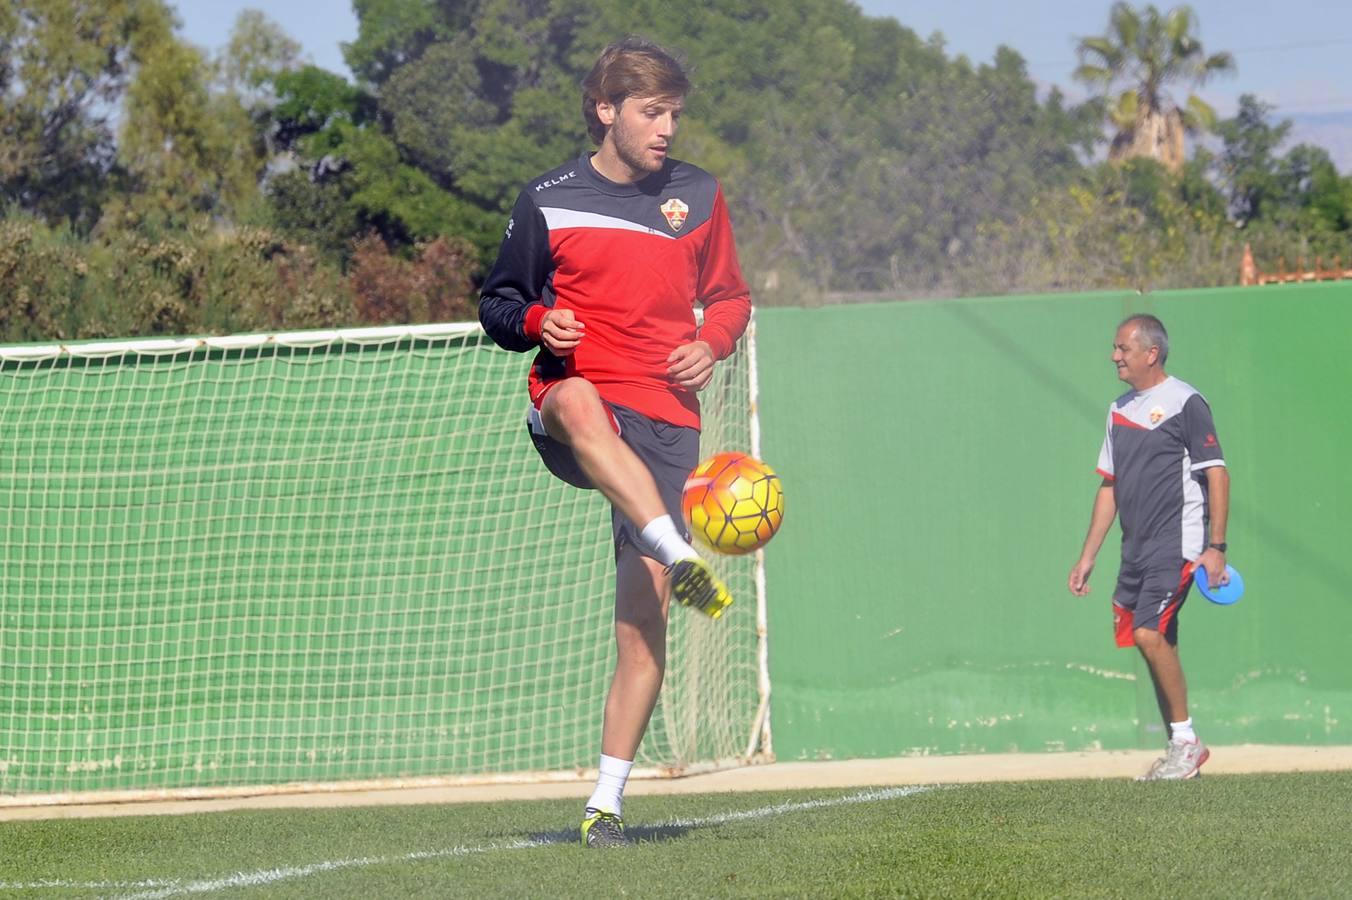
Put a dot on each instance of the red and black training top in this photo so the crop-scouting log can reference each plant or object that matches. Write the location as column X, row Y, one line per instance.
column 630, row 260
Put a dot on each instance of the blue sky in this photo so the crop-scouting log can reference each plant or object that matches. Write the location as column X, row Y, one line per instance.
column 1296, row 54
column 318, row 25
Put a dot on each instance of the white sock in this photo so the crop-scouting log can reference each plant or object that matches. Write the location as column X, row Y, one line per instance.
column 1182, row 731
column 609, row 793
column 664, row 540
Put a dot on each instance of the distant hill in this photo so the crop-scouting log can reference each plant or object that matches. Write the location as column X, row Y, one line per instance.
column 1330, row 130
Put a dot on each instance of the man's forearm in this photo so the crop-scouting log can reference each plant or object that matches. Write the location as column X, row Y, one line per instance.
column 1218, row 501
column 1100, row 520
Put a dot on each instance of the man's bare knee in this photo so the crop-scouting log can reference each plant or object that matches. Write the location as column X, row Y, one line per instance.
column 573, row 408
column 1149, row 638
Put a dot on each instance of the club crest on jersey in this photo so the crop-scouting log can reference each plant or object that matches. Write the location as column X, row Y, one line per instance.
column 1156, row 414
column 675, row 211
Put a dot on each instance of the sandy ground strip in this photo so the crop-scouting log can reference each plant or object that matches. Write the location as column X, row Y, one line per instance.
column 1238, row 759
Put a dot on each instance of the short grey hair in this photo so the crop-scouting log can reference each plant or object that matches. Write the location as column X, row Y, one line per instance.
column 1150, row 332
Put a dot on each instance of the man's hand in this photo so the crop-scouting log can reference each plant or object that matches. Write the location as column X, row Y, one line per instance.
column 560, row 332
column 692, row 365
column 1079, row 577
column 1213, row 561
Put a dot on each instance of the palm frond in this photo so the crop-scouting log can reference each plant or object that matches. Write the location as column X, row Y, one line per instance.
column 1099, row 51
column 1123, row 112
column 1218, row 63
column 1179, row 23
column 1198, row 115
column 1097, row 76
column 1125, row 23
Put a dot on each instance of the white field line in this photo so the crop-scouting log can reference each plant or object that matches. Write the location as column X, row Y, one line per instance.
column 153, row 889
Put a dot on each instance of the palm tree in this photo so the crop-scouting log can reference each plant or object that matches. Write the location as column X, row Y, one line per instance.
column 1132, row 66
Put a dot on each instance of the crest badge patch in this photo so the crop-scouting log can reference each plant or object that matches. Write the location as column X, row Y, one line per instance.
column 675, row 212
column 1156, row 414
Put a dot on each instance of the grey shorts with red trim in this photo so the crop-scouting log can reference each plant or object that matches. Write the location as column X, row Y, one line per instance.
column 670, row 452
column 1149, row 596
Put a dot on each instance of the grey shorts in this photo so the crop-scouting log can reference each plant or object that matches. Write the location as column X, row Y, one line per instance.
column 670, row 452
column 1150, row 596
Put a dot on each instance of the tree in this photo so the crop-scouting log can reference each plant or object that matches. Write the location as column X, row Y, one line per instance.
column 258, row 50
column 1133, row 65
column 876, row 174
column 1248, row 161
column 1197, row 188
column 185, row 150
column 391, row 33
column 64, row 68
column 480, row 125
column 1312, row 189
column 347, row 176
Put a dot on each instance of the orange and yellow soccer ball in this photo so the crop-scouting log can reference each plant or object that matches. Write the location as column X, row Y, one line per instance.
column 733, row 503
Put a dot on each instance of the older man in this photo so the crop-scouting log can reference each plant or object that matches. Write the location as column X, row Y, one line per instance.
column 1165, row 480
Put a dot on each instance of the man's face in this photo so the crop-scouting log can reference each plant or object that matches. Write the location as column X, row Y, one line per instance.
column 641, row 131
column 1133, row 362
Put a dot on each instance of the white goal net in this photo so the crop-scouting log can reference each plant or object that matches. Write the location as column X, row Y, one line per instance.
column 324, row 558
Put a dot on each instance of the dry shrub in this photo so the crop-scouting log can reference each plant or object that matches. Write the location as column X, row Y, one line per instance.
column 41, row 277
column 435, row 285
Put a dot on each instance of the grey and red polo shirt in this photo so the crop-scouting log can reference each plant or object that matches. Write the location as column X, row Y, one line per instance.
column 631, row 261
column 1159, row 443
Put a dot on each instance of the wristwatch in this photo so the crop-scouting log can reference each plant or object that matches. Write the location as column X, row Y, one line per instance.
column 1220, row 546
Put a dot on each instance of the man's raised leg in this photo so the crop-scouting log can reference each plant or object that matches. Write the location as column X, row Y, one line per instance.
column 574, row 414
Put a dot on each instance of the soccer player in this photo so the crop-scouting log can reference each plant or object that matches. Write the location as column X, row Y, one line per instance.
column 600, row 268
column 1163, row 472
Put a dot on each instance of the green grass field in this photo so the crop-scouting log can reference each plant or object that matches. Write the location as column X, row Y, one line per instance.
column 1222, row 836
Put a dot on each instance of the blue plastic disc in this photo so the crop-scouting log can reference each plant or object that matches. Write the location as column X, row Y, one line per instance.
column 1224, row 594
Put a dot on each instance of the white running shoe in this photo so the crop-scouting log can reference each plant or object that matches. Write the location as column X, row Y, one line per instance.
column 1182, row 761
